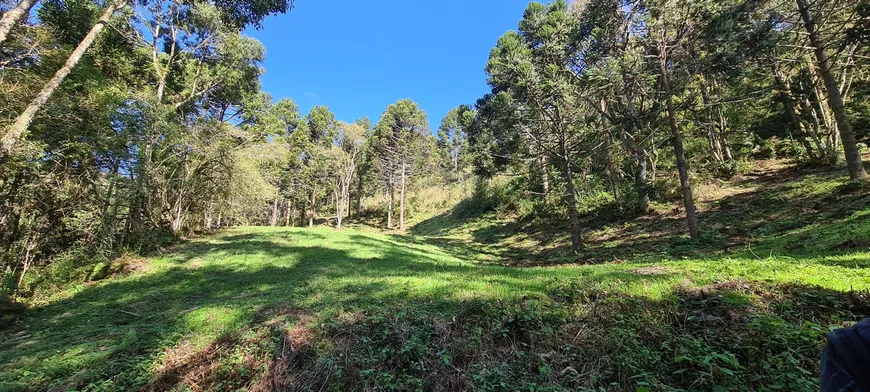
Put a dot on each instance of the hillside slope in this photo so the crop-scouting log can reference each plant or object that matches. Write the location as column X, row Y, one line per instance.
column 320, row 309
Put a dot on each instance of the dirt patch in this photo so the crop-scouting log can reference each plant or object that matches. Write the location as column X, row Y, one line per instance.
column 129, row 265
column 195, row 264
column 651, row 271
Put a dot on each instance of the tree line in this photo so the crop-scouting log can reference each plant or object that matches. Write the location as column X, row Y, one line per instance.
column 613, row 86
column 129, row 124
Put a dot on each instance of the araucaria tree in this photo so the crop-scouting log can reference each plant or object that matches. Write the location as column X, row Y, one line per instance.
column 399, row 143
column 537, row 68
column 452, row 139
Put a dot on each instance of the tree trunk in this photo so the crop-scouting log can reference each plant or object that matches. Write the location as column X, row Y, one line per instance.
column 16, row 131
column 712, row 133
column 347, row 201
column 177, row 217
column 402, row 198
column 612, row 170
column 219, row 219
column 26, row 266
column 11, row 17
column 835, row 99
column 455, row 154
column 825, row 151
column 723, row 134
column 287, row 214
column 545, row 179
column 640, row 176
column 677, row 140
column 392, row 199
column 573, row 215
column 339, row 202
column 207, row 220
column 788, row 104
column 313, row 208
column 273, row 220
column 359, row 196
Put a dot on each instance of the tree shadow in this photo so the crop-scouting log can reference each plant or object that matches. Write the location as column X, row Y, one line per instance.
column 766, row 210
column 664, row 341
column 109, row 331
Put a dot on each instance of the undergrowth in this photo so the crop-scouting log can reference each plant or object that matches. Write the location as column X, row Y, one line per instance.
column 785, row 258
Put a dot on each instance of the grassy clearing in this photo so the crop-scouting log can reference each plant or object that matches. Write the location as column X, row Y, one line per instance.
column 319, row 309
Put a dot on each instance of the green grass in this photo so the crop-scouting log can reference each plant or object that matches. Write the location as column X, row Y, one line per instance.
column 283, row 308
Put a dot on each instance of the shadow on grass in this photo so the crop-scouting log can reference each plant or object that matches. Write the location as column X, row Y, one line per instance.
column 114, row 330
column 774, row 215
column 296, row 309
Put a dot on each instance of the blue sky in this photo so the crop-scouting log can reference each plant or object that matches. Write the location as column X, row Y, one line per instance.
column 357, row 57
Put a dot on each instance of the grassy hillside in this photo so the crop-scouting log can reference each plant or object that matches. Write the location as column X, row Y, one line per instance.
column 457, row 306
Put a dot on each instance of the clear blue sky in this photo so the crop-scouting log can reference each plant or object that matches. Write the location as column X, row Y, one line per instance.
column 357, row 57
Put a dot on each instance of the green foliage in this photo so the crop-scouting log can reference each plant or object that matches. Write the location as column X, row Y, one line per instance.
column 406, row 313
column 156, row 137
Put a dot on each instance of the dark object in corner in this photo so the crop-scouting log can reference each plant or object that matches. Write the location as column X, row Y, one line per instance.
column 846, row 361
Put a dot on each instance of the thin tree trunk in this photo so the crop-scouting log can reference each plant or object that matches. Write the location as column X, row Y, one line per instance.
column 712, row 135
column 791, row 113
column 13, row 16
column 390, row 207
column 677, row 140
column 402, row 198
column 573, row 215
column 640, row 176
column 287, row 214
column 835, row 99
column 723, row 134
column 641, row 186
column 16, row 131
column 545, row 179
column 455, row 154
column 825, row 151
column 26, row 266
column 612, row 170
column 313, row 208
column 219, row 219
column 339, row 201
column 359, row 192
column 177, row 217
column 347, row 200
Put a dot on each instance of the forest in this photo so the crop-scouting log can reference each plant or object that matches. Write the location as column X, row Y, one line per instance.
column 654, row 195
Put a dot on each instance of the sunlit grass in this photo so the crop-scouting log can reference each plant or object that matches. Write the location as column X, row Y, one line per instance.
column 213, row 285
column 119, row 332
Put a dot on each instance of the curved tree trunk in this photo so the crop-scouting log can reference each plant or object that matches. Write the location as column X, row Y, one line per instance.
column 11, row 17
column 835, row 99
column 15, row 132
